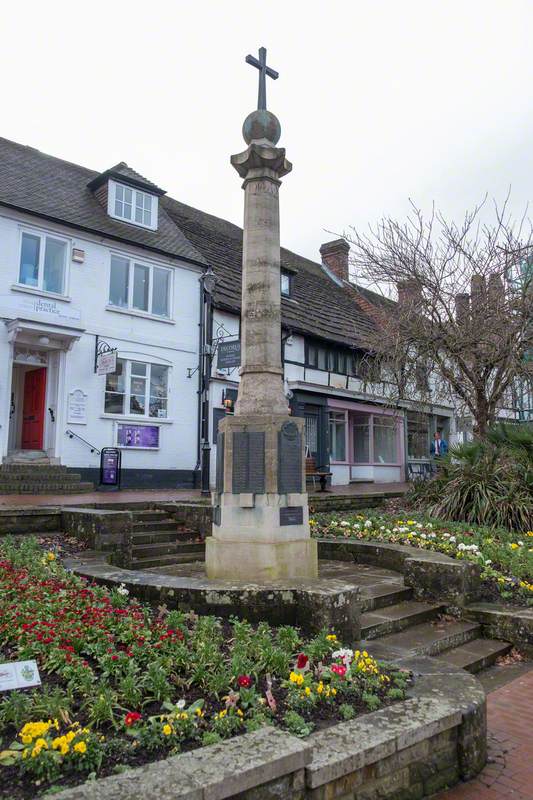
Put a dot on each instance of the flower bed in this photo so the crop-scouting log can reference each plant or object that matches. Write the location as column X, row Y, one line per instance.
column 505, row 558
column 124, row 684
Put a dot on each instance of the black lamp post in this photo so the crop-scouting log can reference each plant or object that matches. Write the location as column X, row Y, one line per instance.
column 208, row 286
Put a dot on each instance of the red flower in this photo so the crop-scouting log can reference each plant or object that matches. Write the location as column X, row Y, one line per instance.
column 244, row 681
column 301, row 661
column 339, row 669
column 131, row 718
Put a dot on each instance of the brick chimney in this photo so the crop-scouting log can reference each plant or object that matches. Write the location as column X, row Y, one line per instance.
column 409, row 293
column 462, row 308
column 335, row 257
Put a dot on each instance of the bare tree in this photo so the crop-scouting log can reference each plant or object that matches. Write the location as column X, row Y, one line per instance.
column 464, row 310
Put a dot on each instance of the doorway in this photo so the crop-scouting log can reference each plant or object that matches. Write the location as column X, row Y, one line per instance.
column 33, row 409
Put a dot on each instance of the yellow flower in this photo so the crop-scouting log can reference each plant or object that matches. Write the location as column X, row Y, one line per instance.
column 307, row 691
column 514, row 546
column 26, row 739
column 80, row 747
column 184, row 715
column 239, row 713
column 70, row 736
column 199, row 712
column 167, row 730
column 222, row 714
column 320, row 687
column 297, row 678
column 331, row 637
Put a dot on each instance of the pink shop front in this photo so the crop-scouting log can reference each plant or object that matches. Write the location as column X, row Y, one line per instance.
column 366, row 443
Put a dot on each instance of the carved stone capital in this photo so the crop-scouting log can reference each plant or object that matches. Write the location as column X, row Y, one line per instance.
column 262, row 161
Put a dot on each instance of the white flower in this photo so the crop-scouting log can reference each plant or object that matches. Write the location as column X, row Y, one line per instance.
column 423, row 536
column 453, row 539
column 461, row 546
column 521, row 544
column 382, row 527
column 444, row 535
column 429, row 525
column 368, row 523
column 432, row 535
column 419, row 526
column 345, row 653
column 180, row 704
column 344, row 524
column 488, row 561
column 122, row 590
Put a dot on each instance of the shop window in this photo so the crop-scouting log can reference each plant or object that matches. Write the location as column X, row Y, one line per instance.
column 385, row 440
column 361, row 438
column 137, row 389
column 337, row 435
column 311, row 433
column 417, row 435
column 141, row 287
column 43, row 262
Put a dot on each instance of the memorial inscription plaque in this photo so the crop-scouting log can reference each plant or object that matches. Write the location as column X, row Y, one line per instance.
column 248, row 462
column 289, row 459
column 291, row 515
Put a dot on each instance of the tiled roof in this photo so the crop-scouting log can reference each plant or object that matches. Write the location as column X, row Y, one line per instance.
column 50, row 187
column 318, row 305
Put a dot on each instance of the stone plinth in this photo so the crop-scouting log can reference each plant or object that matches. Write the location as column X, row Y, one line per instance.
column 261, row 518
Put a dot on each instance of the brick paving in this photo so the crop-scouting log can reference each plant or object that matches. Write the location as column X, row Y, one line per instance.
column 509, row 771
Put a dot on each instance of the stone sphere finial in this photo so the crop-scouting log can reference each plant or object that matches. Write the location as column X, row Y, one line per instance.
column 261, row 125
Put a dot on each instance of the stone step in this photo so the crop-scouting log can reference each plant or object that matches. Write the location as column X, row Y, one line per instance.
column 144, row 515
column 381, row 595
column 46, row 488
column 398, row 617
column 166, row 548
column 155, row 525
column 44, row 476
column 163, row 561
column 32, row 468
column 477, row 654
column 428, row 639
column 159, row 537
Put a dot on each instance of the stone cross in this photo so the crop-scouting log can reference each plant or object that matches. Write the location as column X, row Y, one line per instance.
column 261, row 65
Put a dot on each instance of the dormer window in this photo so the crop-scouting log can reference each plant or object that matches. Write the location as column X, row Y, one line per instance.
column 132, row 205
column 285, row 286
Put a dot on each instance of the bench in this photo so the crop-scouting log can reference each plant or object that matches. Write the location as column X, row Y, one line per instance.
column 312, row 473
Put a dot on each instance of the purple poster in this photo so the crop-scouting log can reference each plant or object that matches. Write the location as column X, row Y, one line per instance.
column 110, row 466
column 138, row 436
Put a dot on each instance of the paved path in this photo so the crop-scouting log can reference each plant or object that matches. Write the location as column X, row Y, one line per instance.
column 165, row 495
column 509, row 773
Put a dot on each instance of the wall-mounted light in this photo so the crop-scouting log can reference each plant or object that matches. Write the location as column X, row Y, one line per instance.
column 44, row 340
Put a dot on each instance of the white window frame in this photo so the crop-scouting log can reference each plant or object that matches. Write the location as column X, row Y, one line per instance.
column 130, row 415
column 130, row 308
column 43, row 236
column 111, row 197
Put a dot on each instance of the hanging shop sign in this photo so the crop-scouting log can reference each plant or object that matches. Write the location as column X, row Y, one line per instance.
column 106, row 363
column 229, row 355
column 145, row 437
column 110, row 459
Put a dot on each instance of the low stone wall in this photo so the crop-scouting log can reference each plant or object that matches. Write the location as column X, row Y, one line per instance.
column 29, row 520
column 512, row 624
column 99, row 529
column 432, row 576
column 406, row 751
column 312, row 606
column 341, row 502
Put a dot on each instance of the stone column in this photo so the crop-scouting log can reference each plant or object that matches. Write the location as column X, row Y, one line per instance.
column 261, row 523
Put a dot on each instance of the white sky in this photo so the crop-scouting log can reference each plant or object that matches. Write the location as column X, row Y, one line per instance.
column 379, row 101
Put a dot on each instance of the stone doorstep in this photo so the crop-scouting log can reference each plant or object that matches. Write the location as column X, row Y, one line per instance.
column 397, row 617
column 442, row 698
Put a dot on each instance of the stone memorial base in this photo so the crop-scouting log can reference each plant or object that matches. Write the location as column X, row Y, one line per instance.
column 261, row 516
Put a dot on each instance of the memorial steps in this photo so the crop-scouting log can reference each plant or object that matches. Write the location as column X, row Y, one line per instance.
column 157, row 540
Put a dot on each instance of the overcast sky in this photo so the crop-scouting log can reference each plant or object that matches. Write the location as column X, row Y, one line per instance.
column 378, row 101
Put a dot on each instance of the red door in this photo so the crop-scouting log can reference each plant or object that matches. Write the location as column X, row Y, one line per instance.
column 33, row 409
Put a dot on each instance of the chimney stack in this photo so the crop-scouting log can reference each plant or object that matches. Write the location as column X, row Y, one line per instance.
column 335, row 258
column 409, row 293
column 462, row 308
